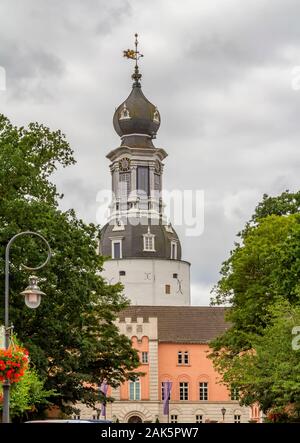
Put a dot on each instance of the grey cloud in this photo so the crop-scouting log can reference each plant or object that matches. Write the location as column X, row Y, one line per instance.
column 219, row 72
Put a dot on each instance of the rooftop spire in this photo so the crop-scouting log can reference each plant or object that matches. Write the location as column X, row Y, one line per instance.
column 134, row 55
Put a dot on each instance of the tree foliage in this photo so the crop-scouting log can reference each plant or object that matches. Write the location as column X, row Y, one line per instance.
column 28, row 394
column 72, row 338
column 269, row 373
column 262, row 271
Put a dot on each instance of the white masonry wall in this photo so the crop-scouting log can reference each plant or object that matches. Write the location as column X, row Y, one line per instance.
column 145, row 280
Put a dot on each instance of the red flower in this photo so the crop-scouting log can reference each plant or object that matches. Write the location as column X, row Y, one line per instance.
column 13, row 363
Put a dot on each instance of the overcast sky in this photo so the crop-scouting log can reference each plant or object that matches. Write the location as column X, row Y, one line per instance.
column 220, row 73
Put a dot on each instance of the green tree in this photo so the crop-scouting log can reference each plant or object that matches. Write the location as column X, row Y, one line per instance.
column 269, row 373
column 285, row 204
column 72, row 337
column 263, row 269
column 27, row 395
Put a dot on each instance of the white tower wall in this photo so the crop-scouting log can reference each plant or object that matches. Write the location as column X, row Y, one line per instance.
column 148, row 281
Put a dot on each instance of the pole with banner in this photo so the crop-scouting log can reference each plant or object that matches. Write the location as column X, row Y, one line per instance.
column 167, row 387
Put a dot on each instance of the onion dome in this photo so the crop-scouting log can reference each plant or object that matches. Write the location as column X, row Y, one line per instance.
column 136, row 115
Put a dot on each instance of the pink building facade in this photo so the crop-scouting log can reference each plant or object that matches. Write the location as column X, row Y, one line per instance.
column 173, row 345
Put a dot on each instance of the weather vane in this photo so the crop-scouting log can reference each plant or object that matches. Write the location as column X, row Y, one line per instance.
column 134, row 55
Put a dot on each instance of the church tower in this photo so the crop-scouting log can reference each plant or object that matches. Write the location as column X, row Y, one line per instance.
column 143, row 248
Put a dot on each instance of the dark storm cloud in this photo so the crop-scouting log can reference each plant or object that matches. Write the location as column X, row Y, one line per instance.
column 219, row 72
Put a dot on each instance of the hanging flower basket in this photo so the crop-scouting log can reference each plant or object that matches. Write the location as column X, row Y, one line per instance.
column 13, row 363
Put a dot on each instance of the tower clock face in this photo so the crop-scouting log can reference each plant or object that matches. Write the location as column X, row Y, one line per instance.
column 157, row 167
column 124, row 164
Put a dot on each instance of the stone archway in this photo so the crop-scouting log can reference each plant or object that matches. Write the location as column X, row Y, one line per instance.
column 135, row 419
column 138, row 410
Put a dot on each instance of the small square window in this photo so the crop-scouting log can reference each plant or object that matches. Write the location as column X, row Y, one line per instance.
column 183, row 358
column 122, row 273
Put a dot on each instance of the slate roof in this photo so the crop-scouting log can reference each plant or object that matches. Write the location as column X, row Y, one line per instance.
column 182, row 324
column 132, row 244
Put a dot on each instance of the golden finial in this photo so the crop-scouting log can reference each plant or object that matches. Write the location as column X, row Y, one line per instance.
column 134, row 55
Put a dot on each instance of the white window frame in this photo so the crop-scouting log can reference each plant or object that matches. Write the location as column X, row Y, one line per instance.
column 203, row 389
column 173, row 256
column 135, row 390
column 184, row 391
column 145, row 357
column 179, row 357
column 151, row 238
column 174, row 418
column 186, row 358
column 113, row 241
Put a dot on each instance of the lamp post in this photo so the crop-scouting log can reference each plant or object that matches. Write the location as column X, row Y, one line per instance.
column 32, row 299
column 223, row 410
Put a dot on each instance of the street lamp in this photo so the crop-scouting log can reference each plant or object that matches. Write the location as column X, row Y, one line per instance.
column 33, row 294
column 32, row 299
column 223, row 410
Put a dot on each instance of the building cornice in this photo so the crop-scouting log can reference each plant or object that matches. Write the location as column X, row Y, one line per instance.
column 140, row 152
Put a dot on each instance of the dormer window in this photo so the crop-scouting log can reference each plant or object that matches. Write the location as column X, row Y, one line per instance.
column 149, row 241
column 116, row 248
column 156, row 116
column 124, row 115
